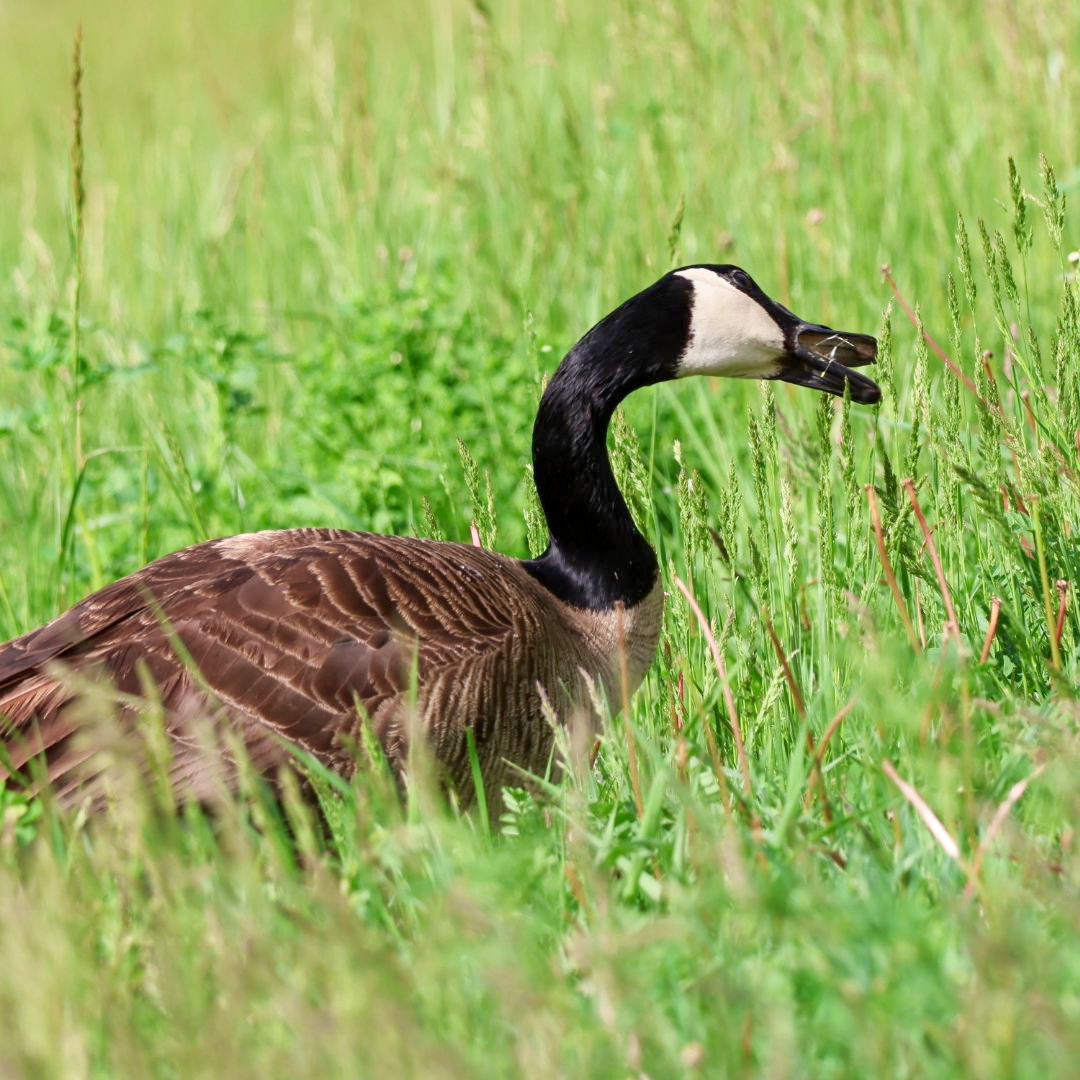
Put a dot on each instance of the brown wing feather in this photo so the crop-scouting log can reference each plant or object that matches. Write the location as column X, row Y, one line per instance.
column 287, row 633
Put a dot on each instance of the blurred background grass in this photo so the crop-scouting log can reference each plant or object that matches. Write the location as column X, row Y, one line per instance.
column 325, row 240
column 261, row 177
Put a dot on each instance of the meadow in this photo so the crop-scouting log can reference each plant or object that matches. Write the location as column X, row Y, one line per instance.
column 308, row 263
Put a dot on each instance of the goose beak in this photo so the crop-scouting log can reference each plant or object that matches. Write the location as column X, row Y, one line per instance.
column 822, row 358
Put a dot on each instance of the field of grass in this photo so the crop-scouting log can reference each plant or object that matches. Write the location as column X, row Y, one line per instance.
column 323, row 241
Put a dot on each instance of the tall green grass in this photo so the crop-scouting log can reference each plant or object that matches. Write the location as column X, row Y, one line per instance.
column 320, row 244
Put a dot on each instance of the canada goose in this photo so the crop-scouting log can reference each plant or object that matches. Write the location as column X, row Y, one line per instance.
column 298, row 637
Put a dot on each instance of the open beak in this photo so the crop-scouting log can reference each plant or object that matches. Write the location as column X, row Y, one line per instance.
column 822, row 358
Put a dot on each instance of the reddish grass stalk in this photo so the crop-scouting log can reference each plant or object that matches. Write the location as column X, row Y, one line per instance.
column 935, row 348
column 816, row 779
column 729, row 698
column 474, row 532
column 998, row 410
column 833, row 855
column 832, row 729
column 595, row 752
column 953, row 626
column 1016, row 792
column 789, row 675
column 991, row 630
column 890, row 577
column 1025, row 397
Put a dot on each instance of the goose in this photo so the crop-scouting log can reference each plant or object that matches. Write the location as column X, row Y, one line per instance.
column 296, row 639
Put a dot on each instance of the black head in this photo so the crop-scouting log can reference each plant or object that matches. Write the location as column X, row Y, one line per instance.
column 712, row 319
column 738, row 331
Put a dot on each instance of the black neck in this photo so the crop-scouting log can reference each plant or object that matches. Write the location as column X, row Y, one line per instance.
column 597, row 557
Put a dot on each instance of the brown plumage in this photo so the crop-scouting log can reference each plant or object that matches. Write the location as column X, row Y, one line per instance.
column 300, row 636
column 294, row 639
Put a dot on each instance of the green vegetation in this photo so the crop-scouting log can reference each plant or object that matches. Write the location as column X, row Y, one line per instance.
column 320, row 244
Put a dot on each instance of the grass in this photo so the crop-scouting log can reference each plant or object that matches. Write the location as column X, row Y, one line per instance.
column 319, row 245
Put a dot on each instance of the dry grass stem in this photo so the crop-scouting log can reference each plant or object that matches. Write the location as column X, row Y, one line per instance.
column 816, row 779
column 929, row 818
column 1016, row 793
column 1032, row 423
column 992, row 629
column 78, row 200
column 789, row 675
column 952, row 627
column 833, row 728
column 934, row 347
column 729, row 698
column 886, row 565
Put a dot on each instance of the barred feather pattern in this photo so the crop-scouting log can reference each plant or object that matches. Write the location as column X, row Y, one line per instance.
column 295, row 638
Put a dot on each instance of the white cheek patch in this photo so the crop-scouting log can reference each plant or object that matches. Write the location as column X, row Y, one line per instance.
column 730, row 333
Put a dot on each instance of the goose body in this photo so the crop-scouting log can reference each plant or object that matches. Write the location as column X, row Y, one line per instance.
column 303, row 635
column 296, row 638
